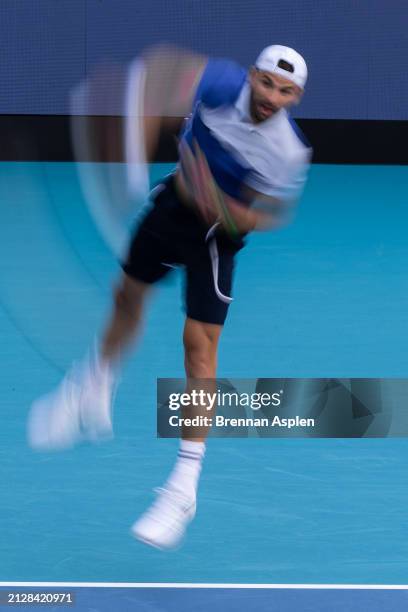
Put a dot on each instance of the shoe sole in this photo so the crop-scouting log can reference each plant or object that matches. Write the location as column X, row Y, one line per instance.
column 154, row 544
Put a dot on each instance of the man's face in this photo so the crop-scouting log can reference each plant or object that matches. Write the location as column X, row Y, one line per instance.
column 269, row 93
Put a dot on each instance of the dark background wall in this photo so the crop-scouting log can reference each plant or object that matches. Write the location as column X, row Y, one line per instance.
column 357, row 50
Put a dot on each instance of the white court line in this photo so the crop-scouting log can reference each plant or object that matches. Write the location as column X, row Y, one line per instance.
column 197, row 585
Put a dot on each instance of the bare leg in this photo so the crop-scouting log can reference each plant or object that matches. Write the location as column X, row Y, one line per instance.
column 200, row 362
column 200, row 343
column 125, row 320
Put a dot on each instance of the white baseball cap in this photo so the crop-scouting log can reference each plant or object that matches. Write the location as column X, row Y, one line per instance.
column 283, row 61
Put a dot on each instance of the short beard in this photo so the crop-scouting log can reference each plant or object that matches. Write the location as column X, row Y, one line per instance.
column 252, row 109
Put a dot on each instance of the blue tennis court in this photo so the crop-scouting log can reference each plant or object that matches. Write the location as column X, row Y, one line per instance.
column 326, row 297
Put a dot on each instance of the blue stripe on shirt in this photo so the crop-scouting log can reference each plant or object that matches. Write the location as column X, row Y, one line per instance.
column 228, row 172
column 220, row 85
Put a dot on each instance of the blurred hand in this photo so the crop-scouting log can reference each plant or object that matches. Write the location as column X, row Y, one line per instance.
column 215, row 205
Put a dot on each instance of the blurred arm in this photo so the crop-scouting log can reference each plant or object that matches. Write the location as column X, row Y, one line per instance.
column 265, row 213
column 171, row 79
column 237, row 217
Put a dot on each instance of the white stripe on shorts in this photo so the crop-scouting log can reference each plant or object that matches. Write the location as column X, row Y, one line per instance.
column 213, row 249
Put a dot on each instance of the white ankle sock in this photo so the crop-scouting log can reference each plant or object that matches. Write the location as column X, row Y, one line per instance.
column 186, row 472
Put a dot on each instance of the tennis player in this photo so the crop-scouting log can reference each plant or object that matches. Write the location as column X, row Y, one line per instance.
column 243, row 163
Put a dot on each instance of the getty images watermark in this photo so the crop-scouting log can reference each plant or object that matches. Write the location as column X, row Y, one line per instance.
column 223, row 409
column 200, row 399
column 277, row 407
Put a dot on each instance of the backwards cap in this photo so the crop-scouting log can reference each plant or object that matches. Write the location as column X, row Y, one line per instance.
column 283, row 61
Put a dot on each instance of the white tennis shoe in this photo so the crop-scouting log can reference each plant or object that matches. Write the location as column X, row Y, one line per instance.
column 78, row 410
column 164, row 524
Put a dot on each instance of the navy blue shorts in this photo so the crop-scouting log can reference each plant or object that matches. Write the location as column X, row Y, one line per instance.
column 172, row 234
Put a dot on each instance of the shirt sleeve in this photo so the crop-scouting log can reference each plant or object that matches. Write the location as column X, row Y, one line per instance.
column 220, row 83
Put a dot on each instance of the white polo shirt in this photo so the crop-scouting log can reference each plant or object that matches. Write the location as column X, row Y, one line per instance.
column 277, row 157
